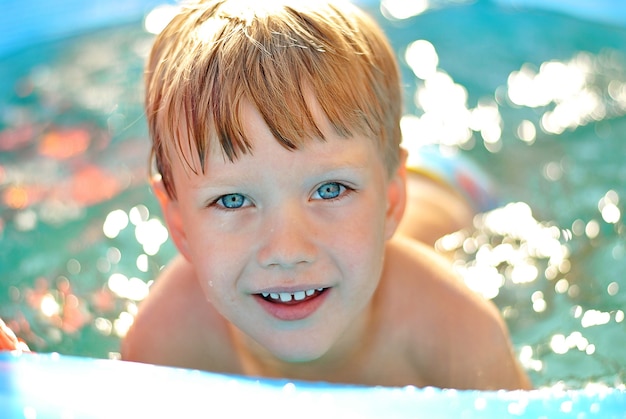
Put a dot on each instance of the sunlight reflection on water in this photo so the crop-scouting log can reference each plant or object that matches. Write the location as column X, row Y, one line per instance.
column 568, row 94
column 531, row 268
column 73, row 188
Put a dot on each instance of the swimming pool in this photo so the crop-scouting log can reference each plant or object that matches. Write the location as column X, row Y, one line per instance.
column 538, row 98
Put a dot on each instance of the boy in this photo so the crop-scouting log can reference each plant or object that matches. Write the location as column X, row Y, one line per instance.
column 276, row 136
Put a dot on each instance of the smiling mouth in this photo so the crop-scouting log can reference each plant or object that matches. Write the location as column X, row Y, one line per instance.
column 292, row 297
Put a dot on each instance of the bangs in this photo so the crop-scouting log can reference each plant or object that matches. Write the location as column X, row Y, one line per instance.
column 275, row 64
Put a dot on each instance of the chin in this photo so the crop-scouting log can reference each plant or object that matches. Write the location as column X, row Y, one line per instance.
column 298, row 355
column 297, row 350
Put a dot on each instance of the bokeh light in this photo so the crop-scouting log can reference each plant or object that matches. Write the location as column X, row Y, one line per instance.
column 82, row 239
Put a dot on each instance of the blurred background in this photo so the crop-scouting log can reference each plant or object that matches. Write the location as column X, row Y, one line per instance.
column 534, row 91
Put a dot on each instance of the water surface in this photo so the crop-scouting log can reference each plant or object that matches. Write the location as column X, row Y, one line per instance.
column 536, row 97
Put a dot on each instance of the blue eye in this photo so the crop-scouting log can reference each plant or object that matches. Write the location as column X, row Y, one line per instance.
column 232, row 201
column 330, row 190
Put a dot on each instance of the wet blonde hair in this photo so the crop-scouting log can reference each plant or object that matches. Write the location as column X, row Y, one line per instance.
column 216, row 54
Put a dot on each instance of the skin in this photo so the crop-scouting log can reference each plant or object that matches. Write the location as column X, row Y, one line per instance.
column 392, row 311
column 8, row 340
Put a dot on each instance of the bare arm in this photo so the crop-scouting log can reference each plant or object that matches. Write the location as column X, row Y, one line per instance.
column 459, row 339
column 487, row 358
column 176, row 325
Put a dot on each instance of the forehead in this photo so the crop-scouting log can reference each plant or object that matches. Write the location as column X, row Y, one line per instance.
column 316, row 154
column 252, row 122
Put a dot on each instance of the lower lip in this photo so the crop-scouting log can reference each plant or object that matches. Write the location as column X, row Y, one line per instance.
column 292, row 312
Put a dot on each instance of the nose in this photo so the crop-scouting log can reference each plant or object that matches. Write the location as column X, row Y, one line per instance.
column 287, row 239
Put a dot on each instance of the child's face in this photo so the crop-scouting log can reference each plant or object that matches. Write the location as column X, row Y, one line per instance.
column 288, row 245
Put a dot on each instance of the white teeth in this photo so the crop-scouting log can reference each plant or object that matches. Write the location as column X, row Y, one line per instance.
column 285, row 297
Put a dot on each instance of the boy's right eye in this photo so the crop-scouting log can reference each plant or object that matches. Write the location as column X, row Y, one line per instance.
column 232, row 201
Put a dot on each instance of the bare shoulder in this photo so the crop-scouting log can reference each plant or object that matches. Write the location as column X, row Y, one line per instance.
column 176, row 325
column 458, row 339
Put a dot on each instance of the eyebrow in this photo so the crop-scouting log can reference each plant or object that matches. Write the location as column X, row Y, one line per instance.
column 329, row 161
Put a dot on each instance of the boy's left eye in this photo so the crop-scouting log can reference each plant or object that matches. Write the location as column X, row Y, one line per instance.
column 232, row 201
column 330, row 190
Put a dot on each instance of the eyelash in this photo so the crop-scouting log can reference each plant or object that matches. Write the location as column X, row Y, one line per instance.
column 219, row 202
column 344, row 191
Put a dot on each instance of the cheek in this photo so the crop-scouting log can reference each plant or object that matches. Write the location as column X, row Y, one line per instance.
column 203, row 237
column 219, row 286
column 214, row 255
column 360, row 236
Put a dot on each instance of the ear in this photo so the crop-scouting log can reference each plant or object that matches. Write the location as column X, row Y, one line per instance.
column 171, row 212
column 396, row 196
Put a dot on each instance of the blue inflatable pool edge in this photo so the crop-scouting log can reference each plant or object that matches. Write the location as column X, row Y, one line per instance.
column 57, row 386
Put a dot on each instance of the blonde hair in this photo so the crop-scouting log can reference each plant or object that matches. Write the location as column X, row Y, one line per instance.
column 216, row 54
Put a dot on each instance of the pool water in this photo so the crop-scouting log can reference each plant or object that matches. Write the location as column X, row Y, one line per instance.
column 537, row 98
